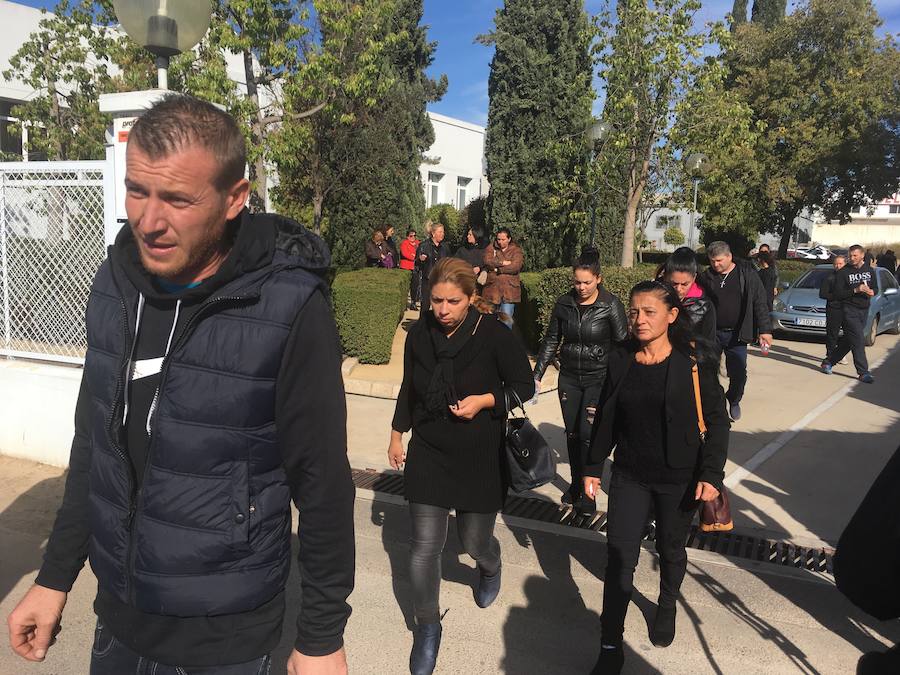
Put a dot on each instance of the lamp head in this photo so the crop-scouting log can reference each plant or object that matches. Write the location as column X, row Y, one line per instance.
column 164, row 27
column 697, row 164
column 598, row 131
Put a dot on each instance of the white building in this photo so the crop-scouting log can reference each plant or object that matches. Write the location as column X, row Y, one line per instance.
column 868, row 226
column 454, row 168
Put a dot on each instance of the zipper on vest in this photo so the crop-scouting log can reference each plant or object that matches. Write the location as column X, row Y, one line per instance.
column 137, row 501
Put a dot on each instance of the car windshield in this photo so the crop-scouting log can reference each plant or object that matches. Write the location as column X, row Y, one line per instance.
column 813, row 278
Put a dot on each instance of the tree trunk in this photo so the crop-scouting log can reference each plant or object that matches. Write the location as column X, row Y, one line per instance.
column 318, row 200
column 258, row 167
column 786, row 228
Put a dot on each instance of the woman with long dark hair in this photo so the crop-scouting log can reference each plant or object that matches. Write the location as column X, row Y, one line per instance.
column 680, row 272
column 472, row 249
column 459, row 366
column 649, row 415
column 584, row 324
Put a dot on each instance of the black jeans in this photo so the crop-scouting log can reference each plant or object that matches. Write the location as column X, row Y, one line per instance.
column 629, row 507
column 429, row 534
column 853, row 339
column 735, row 364
column 834, row 316
column 579, row 403
column 111, row 657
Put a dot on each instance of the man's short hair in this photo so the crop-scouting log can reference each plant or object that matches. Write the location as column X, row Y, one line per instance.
column 856, row 247
column 717, row 249
column 177, row 122
column 768, row 248
column 841, row 256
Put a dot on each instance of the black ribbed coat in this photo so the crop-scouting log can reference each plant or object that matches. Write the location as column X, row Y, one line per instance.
column 452, row 462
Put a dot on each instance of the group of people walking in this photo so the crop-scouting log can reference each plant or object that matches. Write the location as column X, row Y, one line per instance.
column 627, row 382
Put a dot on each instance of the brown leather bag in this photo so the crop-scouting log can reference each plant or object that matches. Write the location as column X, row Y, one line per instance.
column 715, row 516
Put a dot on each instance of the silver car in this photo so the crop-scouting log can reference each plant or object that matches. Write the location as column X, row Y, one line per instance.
column 799, row 309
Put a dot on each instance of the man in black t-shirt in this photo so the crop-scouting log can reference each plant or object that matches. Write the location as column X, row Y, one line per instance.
column 854, row 286
column 741, row 314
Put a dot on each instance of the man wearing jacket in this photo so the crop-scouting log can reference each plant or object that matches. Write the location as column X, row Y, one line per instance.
column 854, row 286
column 834, row 308
column 211, row 398
column 741, row 314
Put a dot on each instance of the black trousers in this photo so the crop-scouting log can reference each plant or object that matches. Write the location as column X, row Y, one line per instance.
column 629, row 508
column 579, row 403
column 833, row 318
column 429, row 534
column 853, row 339
column 415, row 285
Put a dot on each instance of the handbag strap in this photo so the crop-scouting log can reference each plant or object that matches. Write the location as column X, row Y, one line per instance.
column 509, row 408
column 695, row 376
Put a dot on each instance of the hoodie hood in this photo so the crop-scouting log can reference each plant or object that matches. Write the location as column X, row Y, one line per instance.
column 255, row 237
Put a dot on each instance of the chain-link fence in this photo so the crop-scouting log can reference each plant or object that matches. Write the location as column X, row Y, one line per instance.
column 51, row 243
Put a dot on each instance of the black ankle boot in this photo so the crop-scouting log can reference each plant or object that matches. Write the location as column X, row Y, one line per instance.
column 610, row 661
column 663, row 632
column 426, row 644
column 488, row 589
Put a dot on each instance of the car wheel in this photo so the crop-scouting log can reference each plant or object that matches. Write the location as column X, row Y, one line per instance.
column 896, row 329
column 873, row 332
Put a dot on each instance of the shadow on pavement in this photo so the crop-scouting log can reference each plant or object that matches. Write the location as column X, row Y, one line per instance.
column 31, row 514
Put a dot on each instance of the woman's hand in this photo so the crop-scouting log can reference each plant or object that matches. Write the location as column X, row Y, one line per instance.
column 476, row 270
column 396, row 454
column 591, row 486
column 705, row 492
column 470, row 406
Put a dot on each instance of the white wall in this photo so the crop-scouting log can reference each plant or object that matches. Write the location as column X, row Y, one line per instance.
column 458, row 150
column 37, row 413
column 856, row 233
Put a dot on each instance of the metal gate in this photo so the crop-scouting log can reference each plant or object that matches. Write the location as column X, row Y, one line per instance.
column 52, row 240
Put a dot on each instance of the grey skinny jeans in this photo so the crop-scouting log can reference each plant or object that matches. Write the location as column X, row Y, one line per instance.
column 429, row 534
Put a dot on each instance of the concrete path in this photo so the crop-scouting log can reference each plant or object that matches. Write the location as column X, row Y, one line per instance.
column 733, row 619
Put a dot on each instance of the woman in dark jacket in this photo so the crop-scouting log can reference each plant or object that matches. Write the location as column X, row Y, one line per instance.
column 768, row 276
column 649, row 416
column 584, row 323
column 472, row 250
column 458, row 367
column 377, row 252
column 680, row 272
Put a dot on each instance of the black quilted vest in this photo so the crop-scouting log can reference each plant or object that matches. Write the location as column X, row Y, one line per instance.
column 208, row 532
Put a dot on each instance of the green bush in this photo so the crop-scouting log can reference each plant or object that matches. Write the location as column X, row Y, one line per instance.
column 368, row 305
column 790, row 270
column 448, row 216
column 540, row 291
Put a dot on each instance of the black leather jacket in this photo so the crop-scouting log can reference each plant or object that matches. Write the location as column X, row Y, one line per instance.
column 703, row 316
column 583, row 342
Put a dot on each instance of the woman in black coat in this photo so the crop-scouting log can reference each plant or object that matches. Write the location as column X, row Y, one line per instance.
column 584, row 324
column 458, row 368
column 649, row 416
column 680, row 272
column 472, row 250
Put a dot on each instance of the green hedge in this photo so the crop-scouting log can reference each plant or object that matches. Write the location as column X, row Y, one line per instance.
column 790, row 270
column 541, row 289
column 368, row 305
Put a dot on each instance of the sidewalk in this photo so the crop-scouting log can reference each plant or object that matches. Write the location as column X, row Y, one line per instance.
column 733, row 619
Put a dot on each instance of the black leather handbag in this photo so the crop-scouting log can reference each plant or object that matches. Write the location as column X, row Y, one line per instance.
column 529, row 459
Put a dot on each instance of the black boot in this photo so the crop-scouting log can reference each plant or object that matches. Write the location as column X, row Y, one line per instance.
column 610, row 661
column 426, row 643
column 662, row 634
column 488, row 589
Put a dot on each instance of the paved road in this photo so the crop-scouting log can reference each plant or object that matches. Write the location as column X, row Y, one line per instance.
column 736, row 617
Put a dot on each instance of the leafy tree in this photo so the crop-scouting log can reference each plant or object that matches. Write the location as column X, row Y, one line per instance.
column 384, row 186
column 449, row 217
column 474, row 215
column 768, row 12
column 819, row 122
column 58, row 63
column 650, row 59
column 540, row 105
column 673, row 236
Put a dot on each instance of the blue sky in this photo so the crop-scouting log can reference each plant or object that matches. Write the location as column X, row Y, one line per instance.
column 455, row 24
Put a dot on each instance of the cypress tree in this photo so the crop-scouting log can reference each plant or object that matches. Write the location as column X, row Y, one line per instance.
column 768, row 12
column 739, row 13
column 383, row 186
column 540, row 105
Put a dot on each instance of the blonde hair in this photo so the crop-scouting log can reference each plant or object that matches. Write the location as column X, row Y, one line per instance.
column 377, row 237
column 459, row 273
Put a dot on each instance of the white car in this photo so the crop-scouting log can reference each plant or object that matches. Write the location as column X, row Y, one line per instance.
column 813, row 253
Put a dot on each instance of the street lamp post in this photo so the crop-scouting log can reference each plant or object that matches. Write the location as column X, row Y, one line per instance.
column 697, row 165
column 596, row 133
column 164, row 28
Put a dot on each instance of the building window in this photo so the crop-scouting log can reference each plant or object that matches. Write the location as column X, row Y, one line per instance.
column 461, row 185
column 894, row 208
column 10, row 134
column 433, row 194
column 664, row 222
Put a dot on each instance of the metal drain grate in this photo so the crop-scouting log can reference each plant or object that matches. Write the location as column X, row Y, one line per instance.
column 733, row 544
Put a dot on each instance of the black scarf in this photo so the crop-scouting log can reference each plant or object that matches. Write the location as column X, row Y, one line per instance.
column 441, row 391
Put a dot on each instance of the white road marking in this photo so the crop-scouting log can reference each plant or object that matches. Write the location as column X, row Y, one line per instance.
column 768, row 451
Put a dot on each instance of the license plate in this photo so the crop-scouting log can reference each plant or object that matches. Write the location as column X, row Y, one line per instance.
column 814, row 323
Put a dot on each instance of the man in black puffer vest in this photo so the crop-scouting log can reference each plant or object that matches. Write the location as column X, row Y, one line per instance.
column 211, row 398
